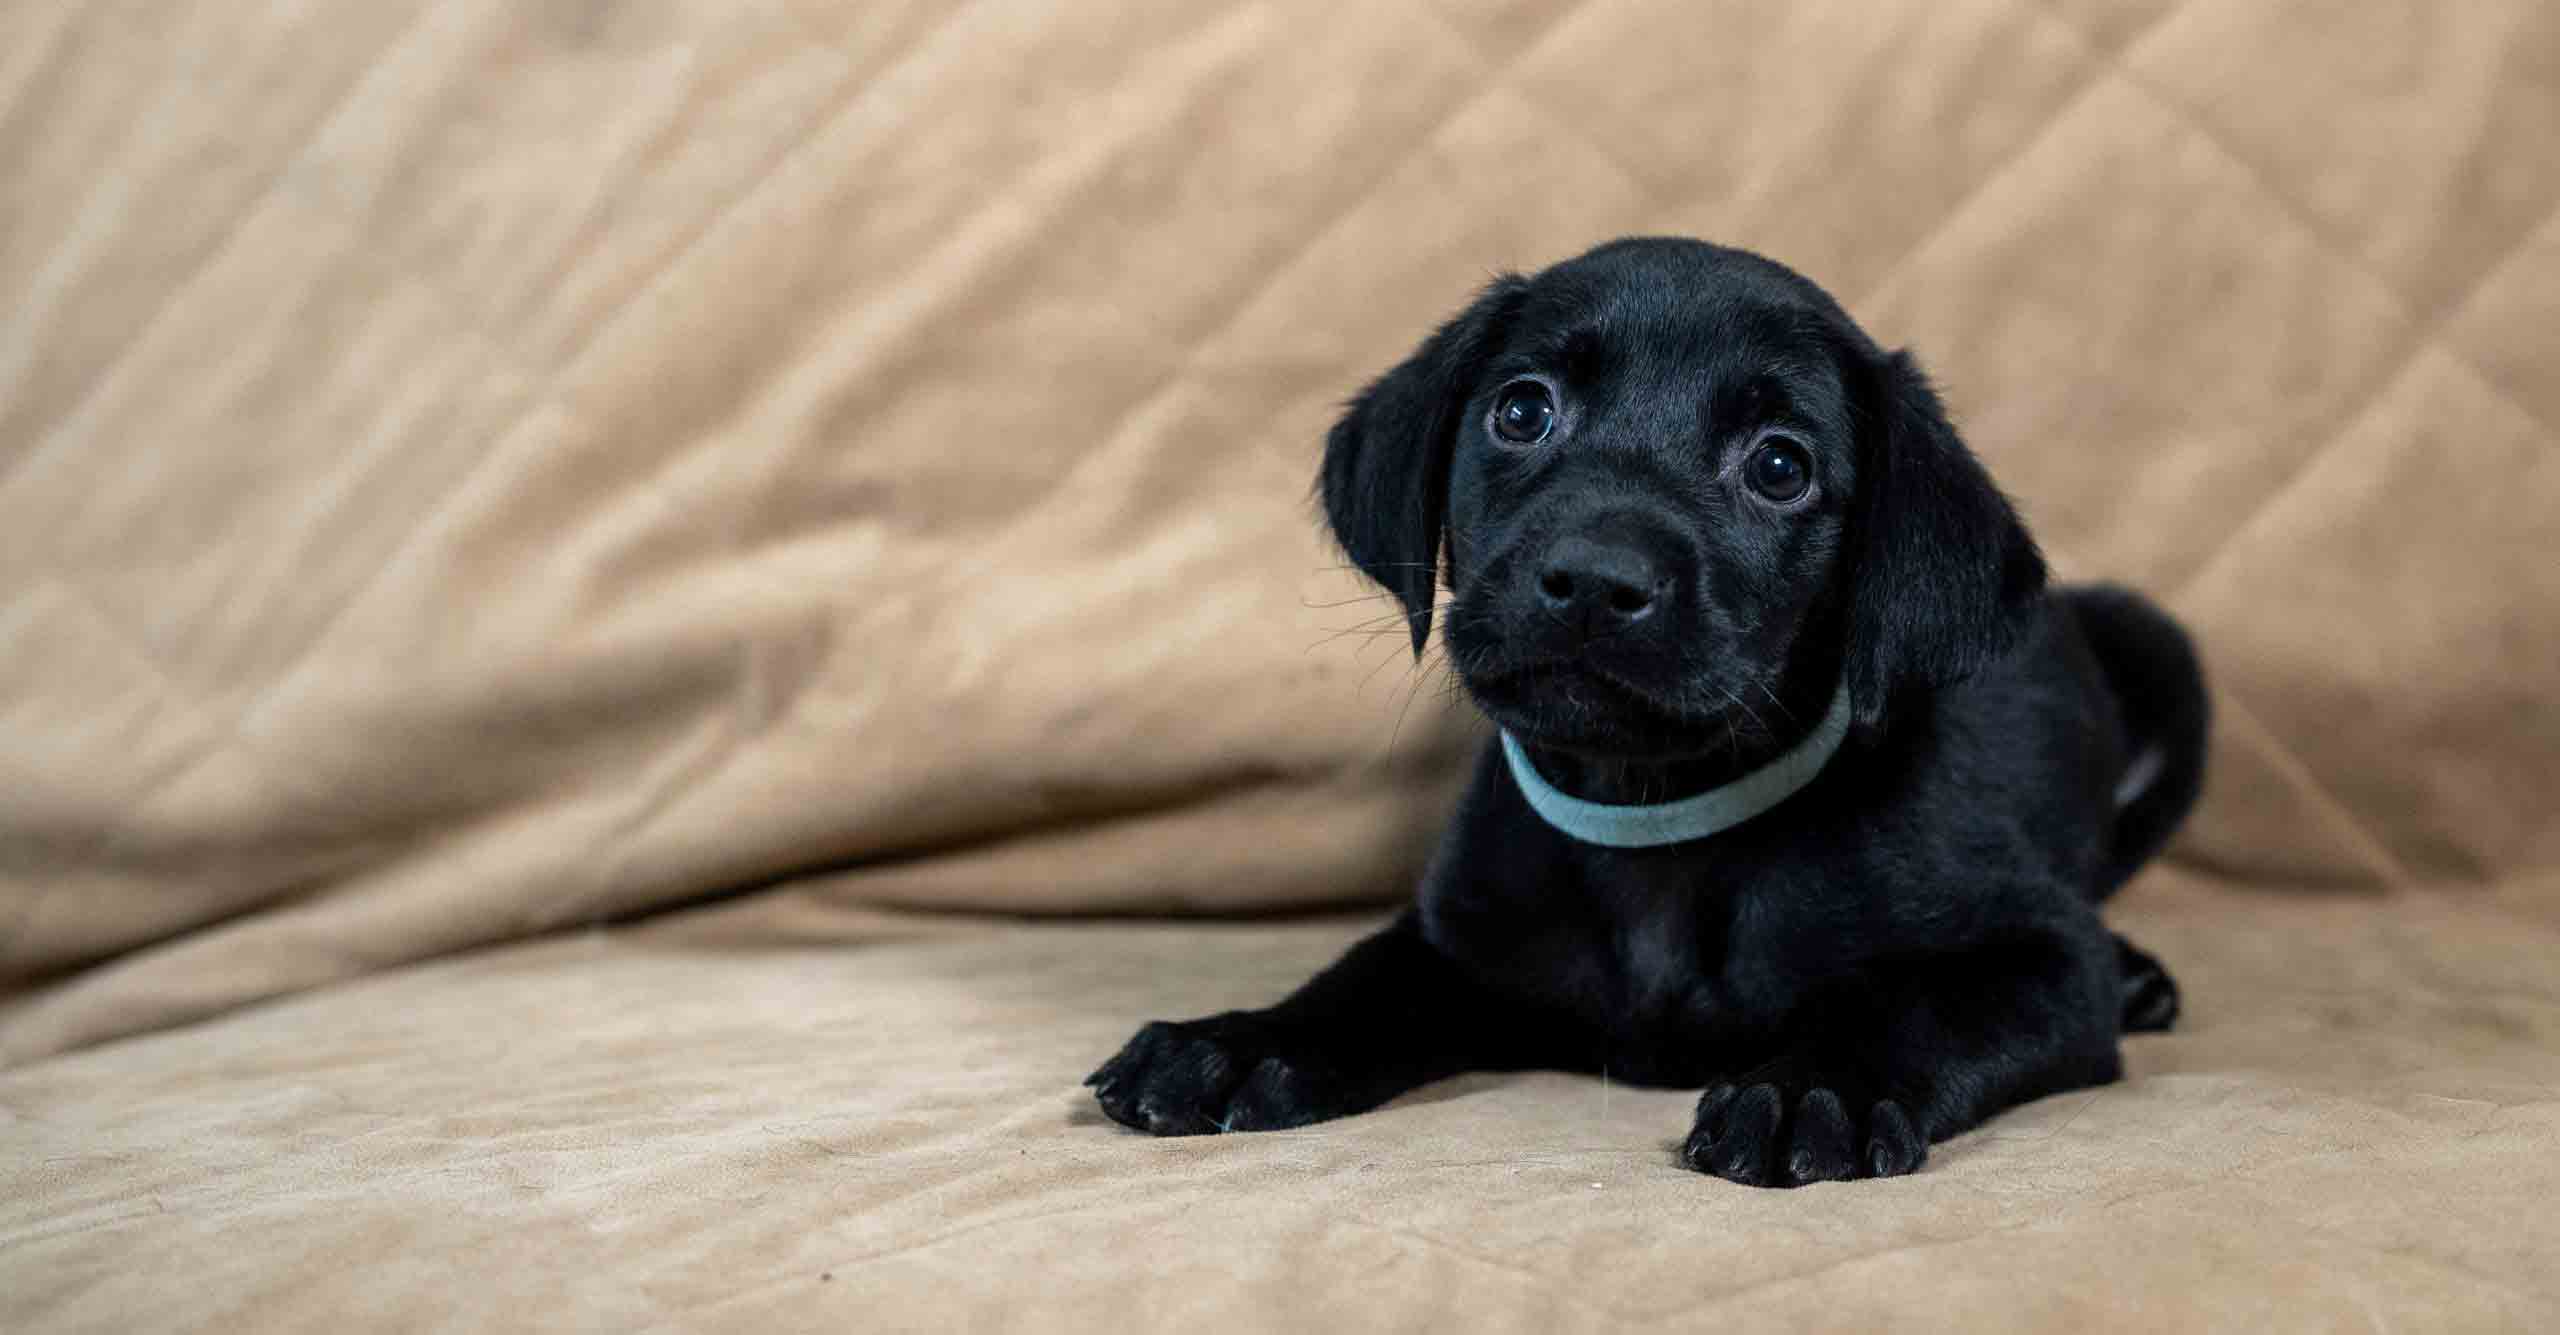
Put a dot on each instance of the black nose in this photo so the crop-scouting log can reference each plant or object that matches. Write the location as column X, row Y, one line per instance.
column 1602, row 586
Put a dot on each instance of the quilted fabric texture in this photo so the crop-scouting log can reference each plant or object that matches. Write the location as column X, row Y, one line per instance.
column 470, row 469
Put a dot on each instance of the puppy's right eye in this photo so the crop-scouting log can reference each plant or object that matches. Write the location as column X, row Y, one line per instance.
column 1524, row 413
column 1779, row 470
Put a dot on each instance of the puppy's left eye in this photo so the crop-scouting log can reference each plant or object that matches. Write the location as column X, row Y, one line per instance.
column 1524, row 413
column 1779, row 470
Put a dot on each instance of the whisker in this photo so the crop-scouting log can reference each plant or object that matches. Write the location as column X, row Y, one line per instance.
column 1774, row 700
column 1374, row 595
column 1372, row 674
column 1391, row 565
column 1371, row 629
column 1745, row 707
column 1397, row 729
column 1379, row 625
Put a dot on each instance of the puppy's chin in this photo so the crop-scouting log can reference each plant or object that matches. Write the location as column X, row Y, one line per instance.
column 1572, row 707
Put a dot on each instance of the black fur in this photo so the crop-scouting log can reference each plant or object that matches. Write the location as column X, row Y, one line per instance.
column 1895, row 953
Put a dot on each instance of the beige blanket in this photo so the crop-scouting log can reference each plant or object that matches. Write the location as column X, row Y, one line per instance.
column 476, row 468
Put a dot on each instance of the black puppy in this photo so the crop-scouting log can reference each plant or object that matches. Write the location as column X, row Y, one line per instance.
column 1807, row 788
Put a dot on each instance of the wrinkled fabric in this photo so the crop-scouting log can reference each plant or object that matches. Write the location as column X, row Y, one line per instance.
column 473, row 470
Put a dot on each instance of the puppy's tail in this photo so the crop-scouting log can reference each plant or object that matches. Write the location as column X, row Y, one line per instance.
column 2159, row 688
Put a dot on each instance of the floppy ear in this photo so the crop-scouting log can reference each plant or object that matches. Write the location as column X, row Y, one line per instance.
column 1385, row 480
column 1946, row 575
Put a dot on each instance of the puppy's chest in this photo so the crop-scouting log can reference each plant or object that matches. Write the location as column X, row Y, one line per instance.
column 1670, row 991
column 1683, row 964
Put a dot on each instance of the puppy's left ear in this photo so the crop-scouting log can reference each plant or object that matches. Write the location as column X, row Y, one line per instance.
column 1385, row 481
column 1946, row 574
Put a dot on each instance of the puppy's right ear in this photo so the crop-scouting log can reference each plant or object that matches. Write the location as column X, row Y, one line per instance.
column 1385, row 480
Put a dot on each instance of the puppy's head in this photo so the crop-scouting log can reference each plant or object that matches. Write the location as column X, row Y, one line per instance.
column 1672, row 488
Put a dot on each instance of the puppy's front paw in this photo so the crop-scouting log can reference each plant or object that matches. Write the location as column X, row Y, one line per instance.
column 1225, row 1073
column 1784, row 1127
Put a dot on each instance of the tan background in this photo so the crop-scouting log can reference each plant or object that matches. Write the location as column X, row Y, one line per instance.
column 474, row 469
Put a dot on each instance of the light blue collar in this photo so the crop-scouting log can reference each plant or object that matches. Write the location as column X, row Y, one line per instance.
column 1712, row 812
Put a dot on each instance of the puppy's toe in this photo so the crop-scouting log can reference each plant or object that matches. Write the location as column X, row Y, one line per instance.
column 1744, row 1138
column 1894, row 1145
column 1707, row 1125
column 1820, row 1148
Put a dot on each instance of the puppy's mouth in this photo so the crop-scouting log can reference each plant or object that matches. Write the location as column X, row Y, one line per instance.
column 1575, row 704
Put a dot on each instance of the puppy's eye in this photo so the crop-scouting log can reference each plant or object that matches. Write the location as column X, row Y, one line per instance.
column 1524, row 413
column 1779, row 470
